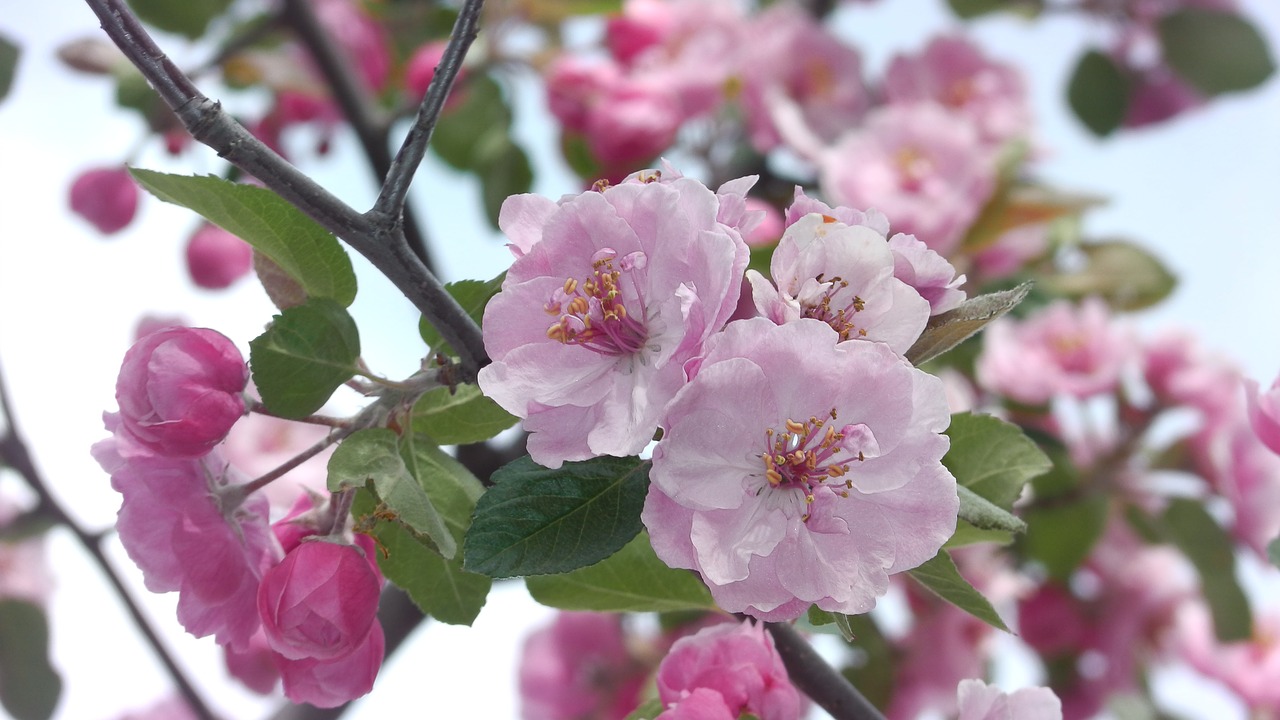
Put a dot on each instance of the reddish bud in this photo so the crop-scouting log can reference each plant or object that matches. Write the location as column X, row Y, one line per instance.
column 106, row 197
column 216, row 258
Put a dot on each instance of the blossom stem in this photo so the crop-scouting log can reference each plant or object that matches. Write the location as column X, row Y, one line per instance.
column 14, row 454
column 255, row 405
column 379, row 237
column 815, row 678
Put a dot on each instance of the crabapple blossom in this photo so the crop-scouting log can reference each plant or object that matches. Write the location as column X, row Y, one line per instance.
column 843, row 276
column 180, row 389
column 631, row 123
column 927, row 272
column 736, row 661
column 254, row 665
column 1247, row 473
column 320, row 601
column 1062, row 349
column 633, row 279
column 794, row 470
column 217, row 258
column 921, row 165
column 979, row 701
column 332, row 682
column 770, row 228
column 1264, row 412
column 106, row 196
column 1249, row 668
column 579, row 666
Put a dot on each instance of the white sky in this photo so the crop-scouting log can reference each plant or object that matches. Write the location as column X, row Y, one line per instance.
column 1202, row 192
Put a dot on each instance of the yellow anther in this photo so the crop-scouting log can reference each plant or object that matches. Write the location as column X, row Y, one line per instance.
column 830, row 437
column 621, row 310
column 795, row 427
column 556, row 332
column 798, row 457
column 775, row 477
column 579, row 306
column 570, row 285
column 808, row 499
column 837, row 470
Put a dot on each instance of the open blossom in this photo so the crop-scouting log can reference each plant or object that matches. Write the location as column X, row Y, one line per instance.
column 735, row 661
column 844, row 276
column 1061, row 350
column 794, row 470
column 1264, row 412
column 579, row 667
column 979, row 701
column 921, row 165
column 611, row 292
column 179, row 390
column 106, row 197
column 1251, row 668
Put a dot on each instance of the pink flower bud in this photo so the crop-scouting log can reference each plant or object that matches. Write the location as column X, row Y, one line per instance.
column 631, row 124
column 106, row 197
column 254, row 665
column 319, row 602
column 422, row 67
column 736, row 661
column 179, row 390
column 770, row 227
column 216, row 258
column 329, row 683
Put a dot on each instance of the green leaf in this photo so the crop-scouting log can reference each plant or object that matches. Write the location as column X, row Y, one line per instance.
column 479, row 112
column 993, row 458
column 1098, row 93
column 1273, row 552
column 9, row 53
column 536, row 521
column 295, row 242
column 968, row 534
column 1215, row 51
column 985, row 515
column 631, row 580
column 189, row 18
column 305, row 354
column 1124, row 274
column 647, row 711
column 1060, row 534
column 967, row 9
column 941, row 577
column 463, row 416
column 954, row 326
column 371, row 459
column 473, row 296
column 29, row 686
column 504, row 171
column 1208, row 547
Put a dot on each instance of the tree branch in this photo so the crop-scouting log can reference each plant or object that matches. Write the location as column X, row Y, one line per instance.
column 384, row 246
column 815, row 678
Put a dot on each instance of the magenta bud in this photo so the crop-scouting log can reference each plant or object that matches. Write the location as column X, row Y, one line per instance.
column 216, row 258
column 106, row 197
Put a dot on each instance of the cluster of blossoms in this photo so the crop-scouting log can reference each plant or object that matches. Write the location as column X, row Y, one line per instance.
column 294, row 601
column 798, row 445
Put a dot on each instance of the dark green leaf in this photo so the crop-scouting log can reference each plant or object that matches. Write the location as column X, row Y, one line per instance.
column 1098, row 93
column 1061, row 534
column 189, row 18
column 464, row 416
column 504, row 171
column 1216, row 51
column 9, row 53
column 966, row 9
column 1208, row 547
column 631, row 580
column 647, row 711
column 463, row 129
column 305, row 354
column 992, row 457
column 536, row 521
column 1124, row 274
column 984, row 515
column 1273, row 552
column 941, row 577
column 954, row 326
column 473, row 296
column 29, row 686
column 371, row 459
column 303, row 249
column 968, row 534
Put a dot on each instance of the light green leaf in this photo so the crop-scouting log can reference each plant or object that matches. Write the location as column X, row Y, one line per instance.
column 1273, row 552
column 472, row 296
column 536, row 520
column 984, row 515
column 371, row 459
column 993, row 458
column 188, row 18
column 1098, row 93
column 295, row 242
column 647, row 711
column 1124, row 274
column 968, row 534
column 1208, row 547
column 941, row 577
column 954, row 326
column 464, row 416
column 479, row 113
column 306, row 353
column 1060, row 533
column 29, row 686
column 631, row 580
column 1216, row 51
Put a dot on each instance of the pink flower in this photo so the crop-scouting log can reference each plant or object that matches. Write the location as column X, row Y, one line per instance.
column 739, row 663
column 188, row 525
column 1180, row 372
column 979, row 701
column 180, row 389
column 107, row 197
column 632, row 281
column 954, row 73
column 575, row 85
column 844, row 276
column 922, row 166
column 332, row 682
column 935, row 279
column 1157, row 94
column 770, row 228
column 320, row 601
column 254, row 665
column 216, row 258
column 579, row 667
column 1264, row 412
column 1247, row 474
column 642, row 25
column 794, row 470
column 698, row 704
column 802, row 205
column 1060, row 350
column 1249, row 668
column 631, row 123
column 422, row 68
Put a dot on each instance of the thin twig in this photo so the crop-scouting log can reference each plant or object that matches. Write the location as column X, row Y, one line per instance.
column 255, row 406
column 383, row 244
column 817, row 679
column 14, row 452
column 396, row 186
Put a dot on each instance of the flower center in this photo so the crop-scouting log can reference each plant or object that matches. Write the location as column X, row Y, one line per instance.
column 805, row 455
column 818, row 300
column 593, row 314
